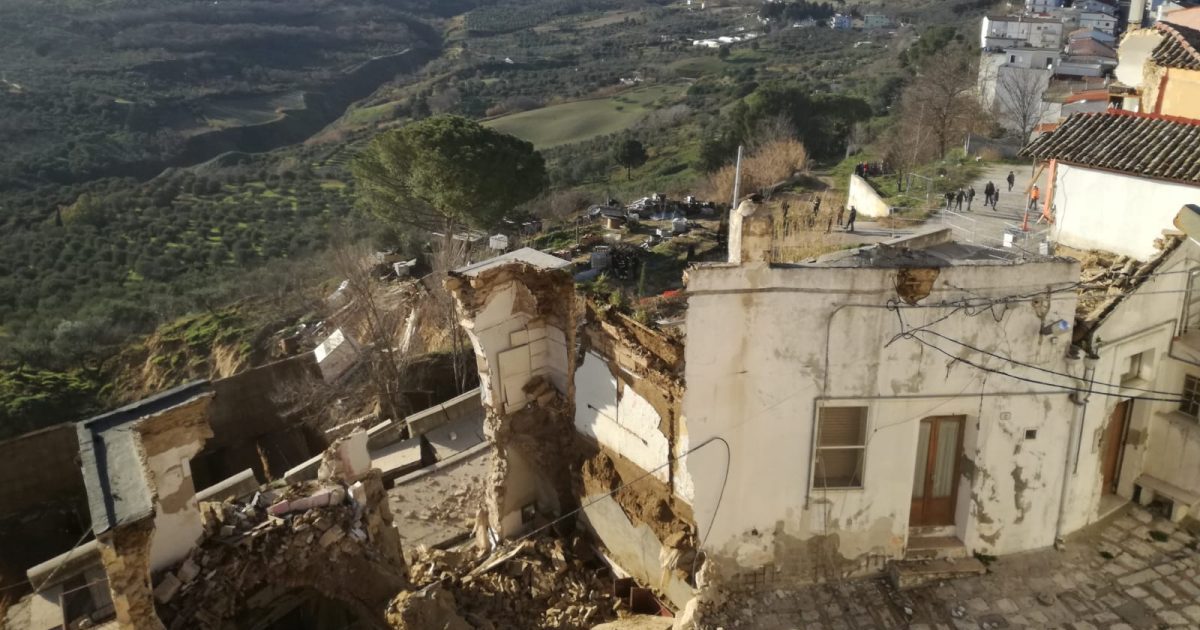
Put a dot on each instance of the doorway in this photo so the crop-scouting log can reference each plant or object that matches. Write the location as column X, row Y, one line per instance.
column 936, row 471
column 1112, row 445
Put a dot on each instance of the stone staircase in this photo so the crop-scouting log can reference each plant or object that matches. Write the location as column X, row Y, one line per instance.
column 933, row 555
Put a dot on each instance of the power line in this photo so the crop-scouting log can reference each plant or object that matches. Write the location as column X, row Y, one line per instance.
column 720, row 495
column 1042, row 369
column 1030, row 380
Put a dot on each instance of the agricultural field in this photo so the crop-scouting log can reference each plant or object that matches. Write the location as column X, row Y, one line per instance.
column 582, row 120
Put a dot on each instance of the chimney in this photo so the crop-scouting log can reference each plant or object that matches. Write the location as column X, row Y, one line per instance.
column 749, row 233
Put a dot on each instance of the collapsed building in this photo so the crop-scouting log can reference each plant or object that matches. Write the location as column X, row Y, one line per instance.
column 894, row 408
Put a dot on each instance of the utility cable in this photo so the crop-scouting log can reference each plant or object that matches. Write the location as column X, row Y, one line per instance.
column 62, row 564
column 1030, row 380
column 720, row 495
column 1042, row 369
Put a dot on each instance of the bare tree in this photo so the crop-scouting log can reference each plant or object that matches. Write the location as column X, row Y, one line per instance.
column 1019, row 93
column 378, row 317
column 941, row 100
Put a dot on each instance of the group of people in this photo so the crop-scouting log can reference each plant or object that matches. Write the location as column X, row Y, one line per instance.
column 991, row 195
column 865, row 169
column 955, row 198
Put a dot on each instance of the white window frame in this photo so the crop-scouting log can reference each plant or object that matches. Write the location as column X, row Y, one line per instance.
column 816, row 485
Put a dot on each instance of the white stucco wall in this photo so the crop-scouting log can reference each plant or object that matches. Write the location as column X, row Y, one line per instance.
column 635, row 548
column 177, row 524
column 512, row 348
column 621, row 420
column 757, row 385
column 1115, row 212
column 863, row 197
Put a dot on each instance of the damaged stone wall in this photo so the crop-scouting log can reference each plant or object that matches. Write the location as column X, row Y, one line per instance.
column 628, row 398
column 252, row 427
column 521, row 320
column 570, row 439
column 329, row 537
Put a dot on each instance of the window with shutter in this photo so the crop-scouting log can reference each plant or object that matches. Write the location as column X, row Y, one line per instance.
column 1191, row 396
column 841, row 446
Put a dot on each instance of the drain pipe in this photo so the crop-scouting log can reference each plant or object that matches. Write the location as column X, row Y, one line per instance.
column 1075, row 440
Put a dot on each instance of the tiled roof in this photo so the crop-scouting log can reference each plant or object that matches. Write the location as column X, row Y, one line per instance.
column 1179, row 49
column 1091, row 48
column 1088, row 95
column 1143, row 144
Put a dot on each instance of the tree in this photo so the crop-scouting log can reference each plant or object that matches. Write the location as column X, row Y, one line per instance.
column 1019, row 99
column 631, row 154
column 446, row 171
column 941, row 99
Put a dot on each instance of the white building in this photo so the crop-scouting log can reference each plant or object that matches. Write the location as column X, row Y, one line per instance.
column 1002, row 32
column 882, row 436
column 1139, row 437
column 1118, row 178
column 1042, row 6
column 1102, row 22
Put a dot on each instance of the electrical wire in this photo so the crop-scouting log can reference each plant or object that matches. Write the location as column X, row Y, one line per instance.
column 53, row 573
column 720, row 495
column 1042, row 369
column 1030, row 380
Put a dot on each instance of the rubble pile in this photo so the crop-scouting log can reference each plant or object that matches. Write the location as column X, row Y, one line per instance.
column 317, row 536
column 1106, row 277
column 539, row 583
column 456, row 507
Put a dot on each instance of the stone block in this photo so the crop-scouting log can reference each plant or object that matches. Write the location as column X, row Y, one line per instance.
column 279, row 509
column 358, row 493
column 188, row 571
column 331, row 536
column 167, row 588
column 356, row 459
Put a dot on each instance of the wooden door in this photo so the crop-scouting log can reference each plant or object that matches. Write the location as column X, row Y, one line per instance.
column 936, row 471
column 1112, row 445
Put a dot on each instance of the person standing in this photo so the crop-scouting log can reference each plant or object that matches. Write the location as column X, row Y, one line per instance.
column 970, row 197
column 995, row 198
column 988, row 191
column 958, row 199
column 1034, row 193
column 853, row 216
column 1012, row 178
column 949, row 199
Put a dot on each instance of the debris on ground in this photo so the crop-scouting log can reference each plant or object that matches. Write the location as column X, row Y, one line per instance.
column 319, row 536
column 537, row 583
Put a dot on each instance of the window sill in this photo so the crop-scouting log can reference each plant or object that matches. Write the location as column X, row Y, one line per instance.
column 1136, row 383
column 847, row 489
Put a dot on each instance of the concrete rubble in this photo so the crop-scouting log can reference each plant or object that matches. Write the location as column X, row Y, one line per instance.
column 541, row 582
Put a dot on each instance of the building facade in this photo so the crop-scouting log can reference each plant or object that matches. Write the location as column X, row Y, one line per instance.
column 851, row 443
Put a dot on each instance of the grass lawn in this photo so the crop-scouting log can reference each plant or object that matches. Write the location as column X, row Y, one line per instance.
column 581, row 120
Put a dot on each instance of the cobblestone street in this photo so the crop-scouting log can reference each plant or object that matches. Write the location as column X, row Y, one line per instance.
column 1131, row 571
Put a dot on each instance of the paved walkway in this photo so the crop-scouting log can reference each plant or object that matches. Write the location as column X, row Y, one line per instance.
column 987, row 226
column 1130, row 572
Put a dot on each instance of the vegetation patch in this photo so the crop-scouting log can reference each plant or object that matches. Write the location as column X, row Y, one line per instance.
column 581, row 120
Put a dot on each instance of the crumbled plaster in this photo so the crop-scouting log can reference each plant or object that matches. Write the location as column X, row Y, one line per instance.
column 530, row 420
column 125, row 553
column 914, row 285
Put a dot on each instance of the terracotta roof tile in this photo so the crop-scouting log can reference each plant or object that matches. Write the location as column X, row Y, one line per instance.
column 1162, row 147
column 1179, row 49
